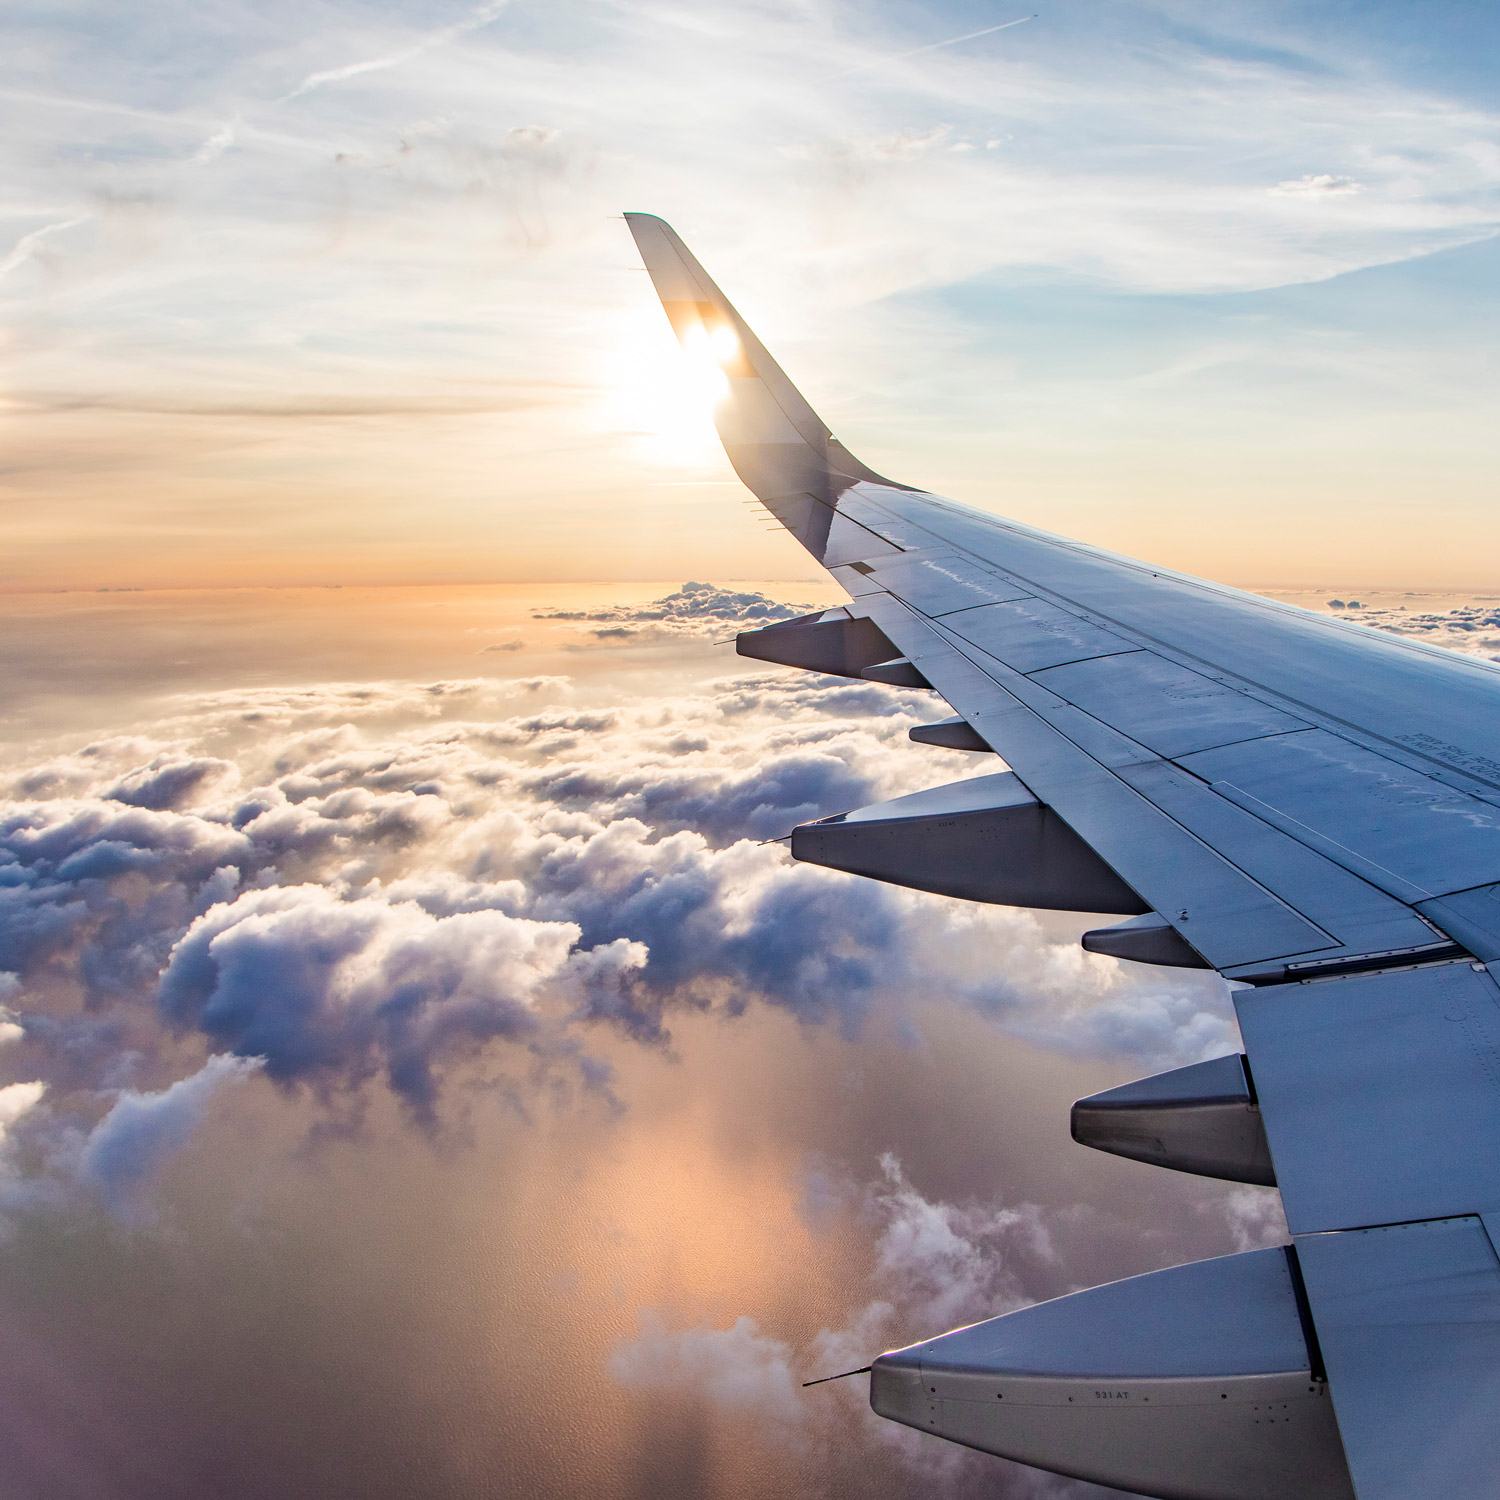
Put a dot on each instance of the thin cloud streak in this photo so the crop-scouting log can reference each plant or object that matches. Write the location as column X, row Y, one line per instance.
column 952, row 41
column 456, row 223
column 481, row 17
column 28, row 244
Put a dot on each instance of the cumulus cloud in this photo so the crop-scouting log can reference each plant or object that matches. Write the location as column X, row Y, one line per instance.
column 16, row 1100
column 364, row 888
column 698, row 610
column 936, row 1265
column 948, row 1263
column 1255, row 1218
column 142, row 1131
column 329, row 990
column 1469, row 629
column 738, row 1368
column 10, row 1028
column 165, row 783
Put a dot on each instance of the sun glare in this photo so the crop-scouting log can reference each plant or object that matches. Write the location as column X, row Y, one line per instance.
column 664, row 394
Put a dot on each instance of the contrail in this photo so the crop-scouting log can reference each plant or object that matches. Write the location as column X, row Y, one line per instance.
column 26, row 246
column 472, row 22
column 952, row 41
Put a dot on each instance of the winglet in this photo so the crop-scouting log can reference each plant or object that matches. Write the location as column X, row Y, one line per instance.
column 777, row 443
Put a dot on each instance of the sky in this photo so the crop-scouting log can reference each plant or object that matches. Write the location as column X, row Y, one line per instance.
column 338, row 293
column 423, row 1071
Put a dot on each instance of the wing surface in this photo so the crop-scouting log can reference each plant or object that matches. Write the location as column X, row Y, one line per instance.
column 1313, row 807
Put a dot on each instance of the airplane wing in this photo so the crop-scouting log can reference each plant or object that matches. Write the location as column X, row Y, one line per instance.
column 1309, row 807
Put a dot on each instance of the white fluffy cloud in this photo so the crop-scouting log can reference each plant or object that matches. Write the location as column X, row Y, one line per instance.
column 349, row 889
column 16, row 1100
column 738, row 1368
column 935, row 1265
column 700, row 610
column 143, row 1130
column 327, row 989
column 1469, row 629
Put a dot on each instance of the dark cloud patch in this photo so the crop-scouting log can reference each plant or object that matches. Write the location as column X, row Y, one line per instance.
column 331, row 991
column 164, row 784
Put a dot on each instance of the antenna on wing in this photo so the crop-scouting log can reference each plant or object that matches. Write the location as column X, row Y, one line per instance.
column 863, row 1370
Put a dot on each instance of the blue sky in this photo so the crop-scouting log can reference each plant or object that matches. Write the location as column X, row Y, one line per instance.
column 296, row 293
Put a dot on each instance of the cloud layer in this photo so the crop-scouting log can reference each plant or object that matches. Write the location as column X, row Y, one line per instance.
column 359, row 886
column 429, row 1048
column 337, row 889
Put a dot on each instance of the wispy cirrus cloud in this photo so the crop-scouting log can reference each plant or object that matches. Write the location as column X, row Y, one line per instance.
column 481, row 16
column 30, row 244
column 452, row 219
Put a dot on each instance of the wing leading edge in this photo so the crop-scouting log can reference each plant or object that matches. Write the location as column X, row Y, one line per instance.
column 1310, row 808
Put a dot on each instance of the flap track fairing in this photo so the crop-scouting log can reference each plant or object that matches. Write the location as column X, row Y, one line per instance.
column 950, row 734
column 986, row 839
column 1202, row 1119
column 1150, row 939
column 1194, row 1383
column 831, row 641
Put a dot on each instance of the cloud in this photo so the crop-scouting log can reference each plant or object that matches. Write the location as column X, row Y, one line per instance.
column 696, row 610
column 737, row 1368
column 216, row 145
column 856, row 222
column 951, row 41
column 17, row 1100
column 1469, row 629
column 10, row 1028
column 947, row 1264
column 31, row 244
column 366, row 890
column 481, row 16
column 329, row 991
column 168, row 784
column 1318, row 185
column 142, row 1131
column 935, row 1265
column 1255, row 1218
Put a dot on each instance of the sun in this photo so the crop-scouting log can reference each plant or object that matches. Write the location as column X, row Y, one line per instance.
column 664, row 393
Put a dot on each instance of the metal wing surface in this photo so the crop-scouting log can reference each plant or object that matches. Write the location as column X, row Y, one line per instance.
column 1308, row 806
